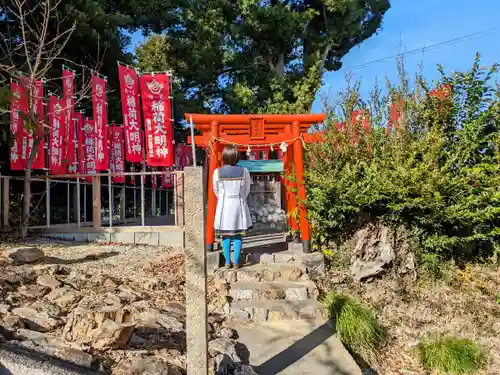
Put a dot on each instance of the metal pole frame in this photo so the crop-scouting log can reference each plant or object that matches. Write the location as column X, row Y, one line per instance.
column 142, row 202
column 110, row 201
column 78, row 203
column 47, row 202
column 68, row 203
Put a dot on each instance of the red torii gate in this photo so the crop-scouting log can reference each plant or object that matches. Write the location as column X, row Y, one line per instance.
column 256, row 130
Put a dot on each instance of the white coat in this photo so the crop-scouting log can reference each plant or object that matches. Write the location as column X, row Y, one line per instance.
column 232, row 186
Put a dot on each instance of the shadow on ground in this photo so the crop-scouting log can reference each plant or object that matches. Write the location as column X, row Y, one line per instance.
column 15, row 359
column 85, row 259
column 284, row 360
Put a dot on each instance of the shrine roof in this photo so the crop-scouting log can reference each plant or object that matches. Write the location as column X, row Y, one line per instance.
column 233, row 119
column 262, row 166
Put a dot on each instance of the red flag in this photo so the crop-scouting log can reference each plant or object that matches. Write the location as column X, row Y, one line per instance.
column 155, row 96
column 80, row 143
column 100, row 122
column 183, row 156
column 68, row 84
column 57, row 118
column 132, row 178
column 16, row 126
column 117, row 164
column 39, row 161
column 33, row 94
column 131, row 113
column 167, row 180
column 89, row 142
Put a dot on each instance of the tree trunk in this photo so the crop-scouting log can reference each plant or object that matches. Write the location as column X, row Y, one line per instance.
column 25, row 216
column 26, row 201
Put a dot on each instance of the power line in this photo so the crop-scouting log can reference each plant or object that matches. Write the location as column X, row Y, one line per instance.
column 418, row 50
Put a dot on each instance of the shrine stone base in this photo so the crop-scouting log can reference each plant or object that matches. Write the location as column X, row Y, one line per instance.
column 139, row 235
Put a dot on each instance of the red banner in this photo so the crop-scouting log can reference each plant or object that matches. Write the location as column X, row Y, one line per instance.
column 183, row 156
column 100, row 122
column 155, row 96
column 33, row 95
column 131, row 113
column 39, row 161
column 167, row 180
column 16, row 126
column 81, row 142
column 68, row 83
column 57, row 118
column 116, row 161
column 89, row 147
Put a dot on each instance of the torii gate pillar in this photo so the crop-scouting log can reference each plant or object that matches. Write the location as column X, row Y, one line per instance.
column 258, row 130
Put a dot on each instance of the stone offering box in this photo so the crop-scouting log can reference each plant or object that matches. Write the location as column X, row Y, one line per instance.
column 266, row 194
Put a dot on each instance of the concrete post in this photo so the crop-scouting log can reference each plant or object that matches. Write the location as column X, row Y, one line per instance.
column 179, row 199
column 96, row 201
column 123, row 206
column 196, row 273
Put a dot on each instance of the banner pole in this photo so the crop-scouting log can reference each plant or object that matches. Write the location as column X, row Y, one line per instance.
column 193, row 145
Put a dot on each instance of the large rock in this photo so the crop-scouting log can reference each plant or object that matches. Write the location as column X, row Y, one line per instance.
column 100, row 325
column 244, row 370
column 32, row 291
column 145, row 366
column 373, row 251
column 37, row 320
column 55, row 346
column 48, row 281
column 18, row 275
column 65, row 298
column 26, row 254
column 224, row 346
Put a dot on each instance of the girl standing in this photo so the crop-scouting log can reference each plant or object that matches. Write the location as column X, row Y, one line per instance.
column 232, row 217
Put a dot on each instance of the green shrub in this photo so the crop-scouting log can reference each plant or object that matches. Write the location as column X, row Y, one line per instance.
column 437, row 174
column 358, row 328
column 451, row 355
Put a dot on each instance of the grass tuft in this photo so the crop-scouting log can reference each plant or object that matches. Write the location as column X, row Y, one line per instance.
column 451, row 355
column 358, row 327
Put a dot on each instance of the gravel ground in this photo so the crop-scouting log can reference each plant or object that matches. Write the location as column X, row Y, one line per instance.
column 113, row 260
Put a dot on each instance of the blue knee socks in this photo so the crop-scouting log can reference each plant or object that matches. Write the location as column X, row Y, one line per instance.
column 237, row 243
column 226, row 247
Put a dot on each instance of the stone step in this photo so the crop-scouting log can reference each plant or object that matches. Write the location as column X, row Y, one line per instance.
column 275, row 310
column 264, row 272
column 273, row 290
column 314, row 262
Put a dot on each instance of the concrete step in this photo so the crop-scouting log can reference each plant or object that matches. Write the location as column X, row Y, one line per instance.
column 264, row 272
column 296, row 348
column 273, row 290
column 276, row 310
column 314, row 262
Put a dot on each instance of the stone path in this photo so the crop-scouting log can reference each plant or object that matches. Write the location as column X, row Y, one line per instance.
column 296, row 348
column 273, row 302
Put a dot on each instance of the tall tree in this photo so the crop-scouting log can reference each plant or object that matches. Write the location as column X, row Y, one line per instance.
column 249, row 55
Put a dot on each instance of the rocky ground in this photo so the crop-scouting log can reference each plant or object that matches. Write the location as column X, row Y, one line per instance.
column 411, row 305
column 117, row 309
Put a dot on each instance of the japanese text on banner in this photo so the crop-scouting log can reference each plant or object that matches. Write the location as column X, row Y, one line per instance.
column 155, row 96
column 57, row 118
column 70, row 136
column 16, row 126
column 167, row 180
column 81, row 142
column 33, row 96
column 89, row 147
column 131, row 114
column 117, row 163
column 101, row 120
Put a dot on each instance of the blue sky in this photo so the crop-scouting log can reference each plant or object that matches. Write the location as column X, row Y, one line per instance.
column 411, row 25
